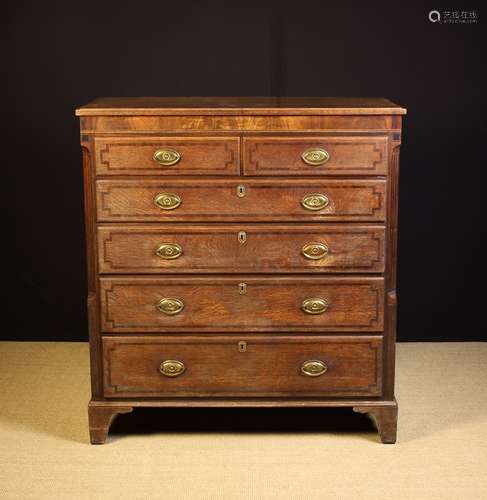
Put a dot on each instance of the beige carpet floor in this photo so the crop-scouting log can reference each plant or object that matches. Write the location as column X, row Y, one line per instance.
column 243, row 454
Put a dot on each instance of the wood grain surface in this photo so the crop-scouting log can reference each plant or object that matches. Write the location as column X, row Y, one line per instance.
column 210, row 124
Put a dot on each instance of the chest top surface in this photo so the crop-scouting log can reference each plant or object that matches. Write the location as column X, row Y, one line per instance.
column 143, row 106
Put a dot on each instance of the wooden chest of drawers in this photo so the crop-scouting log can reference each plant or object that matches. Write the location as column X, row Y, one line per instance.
column 241, row 252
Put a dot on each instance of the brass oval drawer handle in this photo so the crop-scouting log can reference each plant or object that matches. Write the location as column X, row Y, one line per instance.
column 314, row 368
column 315, row 201
column 167, row 201
column 169, row 251
column 170, row 306
column 315, row 156
column 172, row 368
column 315, row 251
column 167, row 157
column 314, row 305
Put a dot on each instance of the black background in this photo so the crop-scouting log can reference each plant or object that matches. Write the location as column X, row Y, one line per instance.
column 62, row 55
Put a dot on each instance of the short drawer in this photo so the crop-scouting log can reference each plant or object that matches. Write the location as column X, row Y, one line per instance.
column 327, row 155
column 137, row 366
column 145, row 200
column 167, row 156
column 228, row 304
column 240, row 248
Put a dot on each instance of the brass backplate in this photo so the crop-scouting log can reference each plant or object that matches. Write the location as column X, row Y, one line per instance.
column 170, row 306
column 169, row 251
column 315, row 156
column 314, row 251
column 314, row 368
column 172, row 367
column 315, row 201
column 314, row 305
column 167, row 157
column 167, row 201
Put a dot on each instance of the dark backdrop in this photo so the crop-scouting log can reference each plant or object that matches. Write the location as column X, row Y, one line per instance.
column 62, row 55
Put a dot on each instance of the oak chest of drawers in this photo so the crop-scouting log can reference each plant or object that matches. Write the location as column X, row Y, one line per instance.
column 241, row 252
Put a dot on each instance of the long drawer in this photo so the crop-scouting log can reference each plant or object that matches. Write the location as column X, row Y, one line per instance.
column 149, row 200
column 186, row 366
column 229, row 304
column 242, row 248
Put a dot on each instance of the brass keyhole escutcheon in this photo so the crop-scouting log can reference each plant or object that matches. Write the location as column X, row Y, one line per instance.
column 242, row 237
column 240, row 190
column 242, row 346
column 242, row 288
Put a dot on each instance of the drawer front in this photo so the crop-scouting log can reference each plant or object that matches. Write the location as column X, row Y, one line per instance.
column 137, row 366
column 330, row 155
column 240, row 248
column 229, row 304
column 167, row 156
column 244, row 199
